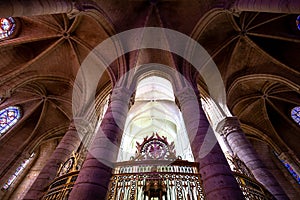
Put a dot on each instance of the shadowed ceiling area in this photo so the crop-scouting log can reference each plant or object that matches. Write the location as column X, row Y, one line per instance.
column 259, row 65
column 38, row 69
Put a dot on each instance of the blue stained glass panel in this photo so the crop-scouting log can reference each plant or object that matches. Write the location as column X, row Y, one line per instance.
column 291, row 170
column 295, row 114
column 8, row 117
column 298, row 22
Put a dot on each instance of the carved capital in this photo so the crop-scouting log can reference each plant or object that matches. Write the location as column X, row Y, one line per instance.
column 81, row 126
column 228, row 125
column 186, row 94
column 72, row 125
column 121, row 94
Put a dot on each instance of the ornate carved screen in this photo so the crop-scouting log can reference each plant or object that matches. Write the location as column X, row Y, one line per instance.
column 61, row 186
column 155, row 174
column 250, row 187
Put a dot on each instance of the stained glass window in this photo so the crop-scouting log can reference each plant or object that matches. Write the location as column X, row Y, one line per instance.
column 7, row 27
column 295, row 114
column 298, row 22
column 18, row 171
column 8, row 117
column 289, row 168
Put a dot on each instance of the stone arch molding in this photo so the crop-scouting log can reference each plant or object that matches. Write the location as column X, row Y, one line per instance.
column 294, row 86
column 142, row 38
column 154, row 69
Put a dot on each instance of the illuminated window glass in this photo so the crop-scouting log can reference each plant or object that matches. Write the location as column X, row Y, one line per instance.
column 289, row 168
column 7, row 27
column 295, row 114
column 18, row 171
column 104, row 107
column 8, row 117
column 298, row 22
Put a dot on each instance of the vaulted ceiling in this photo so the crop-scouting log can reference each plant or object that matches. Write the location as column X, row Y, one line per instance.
column 256, row 54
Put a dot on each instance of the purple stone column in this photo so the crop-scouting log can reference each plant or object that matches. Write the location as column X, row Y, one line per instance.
column 13, row 8
column 273, row 6
column 230, row 129
column 69, row 143
column 95, row 174
column 218, row 180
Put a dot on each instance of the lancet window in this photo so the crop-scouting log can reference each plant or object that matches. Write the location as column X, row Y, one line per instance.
column 18, row 172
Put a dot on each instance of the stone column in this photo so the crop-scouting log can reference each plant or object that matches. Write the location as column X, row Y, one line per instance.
column 273, row 6
column 218, row 180
column 95, row 174
column 67, row 145
column 17, row 8
column 230, row 129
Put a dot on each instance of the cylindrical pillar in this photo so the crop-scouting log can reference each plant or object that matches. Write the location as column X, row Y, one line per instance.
column 230, row 129
column 218, row 180
column 17, row 8
column 273, row 6
column 92, row 182
column 67, row 145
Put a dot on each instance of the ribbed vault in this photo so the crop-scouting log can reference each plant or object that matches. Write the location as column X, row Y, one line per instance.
column 257, row 55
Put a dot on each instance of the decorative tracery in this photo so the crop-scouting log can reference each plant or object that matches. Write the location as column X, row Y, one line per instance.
column 7, row 27
column 155, row 148
column 69, row 165
column 61, row 186
column 295, row 114
column 238, row 166
column 8, row 117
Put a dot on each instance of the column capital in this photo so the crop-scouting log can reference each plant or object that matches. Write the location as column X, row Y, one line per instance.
column 121, row 93
column 72, row 125
column 186, row 94
column 228, row 125
column 80, row 125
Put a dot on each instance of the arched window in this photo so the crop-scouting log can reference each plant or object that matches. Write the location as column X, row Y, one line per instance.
column 289, row 167
column 18, row 171
column 8, row 117
column 154, row 111
column 7, row 27
column 295, row 114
